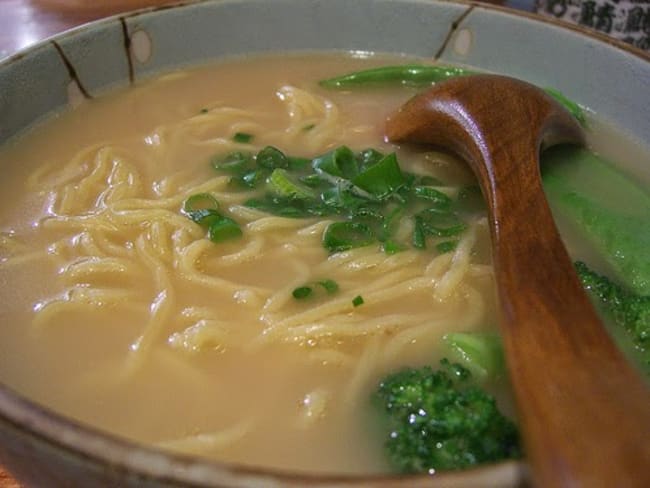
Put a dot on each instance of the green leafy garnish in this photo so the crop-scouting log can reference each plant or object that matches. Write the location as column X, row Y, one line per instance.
column 342, row 236
column 202, row 209
column 366, row 192
column 242, row 137
column 305, row 291
column 446, row 246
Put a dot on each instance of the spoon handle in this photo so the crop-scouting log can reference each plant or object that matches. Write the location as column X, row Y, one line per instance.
column 584, row 412
column 559, row 356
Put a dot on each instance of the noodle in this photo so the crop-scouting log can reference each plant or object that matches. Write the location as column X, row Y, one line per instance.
column 194, row 316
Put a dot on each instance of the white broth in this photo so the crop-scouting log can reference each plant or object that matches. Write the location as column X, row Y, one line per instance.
column 118, row 312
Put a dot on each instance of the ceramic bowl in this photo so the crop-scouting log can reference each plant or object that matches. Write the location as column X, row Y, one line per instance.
column 44, row 449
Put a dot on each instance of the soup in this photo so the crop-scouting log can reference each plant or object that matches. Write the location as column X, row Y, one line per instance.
column 121, row 314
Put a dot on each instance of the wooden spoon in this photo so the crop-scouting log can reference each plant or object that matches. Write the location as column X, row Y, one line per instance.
column 584, row 413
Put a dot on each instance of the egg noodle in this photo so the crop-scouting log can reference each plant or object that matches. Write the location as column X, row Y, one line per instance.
column 114, row 232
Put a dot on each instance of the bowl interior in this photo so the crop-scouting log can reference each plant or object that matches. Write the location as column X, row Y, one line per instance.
column 88, row 61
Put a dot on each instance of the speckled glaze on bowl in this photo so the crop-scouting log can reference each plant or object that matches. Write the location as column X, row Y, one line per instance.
column 44, row 449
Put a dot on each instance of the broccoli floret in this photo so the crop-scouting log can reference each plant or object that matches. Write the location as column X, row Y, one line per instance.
column 627, row 309
column 439, row 420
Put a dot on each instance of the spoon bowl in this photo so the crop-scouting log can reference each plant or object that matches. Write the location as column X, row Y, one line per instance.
column 584, row 412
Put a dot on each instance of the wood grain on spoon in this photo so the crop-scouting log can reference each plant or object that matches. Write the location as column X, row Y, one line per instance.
column 584, row 412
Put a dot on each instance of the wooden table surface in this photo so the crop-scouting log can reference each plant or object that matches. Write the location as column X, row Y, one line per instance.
column 25, row 22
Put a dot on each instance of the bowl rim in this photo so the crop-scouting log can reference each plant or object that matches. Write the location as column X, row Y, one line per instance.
column 145, row 462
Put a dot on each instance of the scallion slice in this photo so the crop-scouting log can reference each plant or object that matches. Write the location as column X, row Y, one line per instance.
column 419, row 237
column 224, row 229
column 298, row 164
column 302, row 292
column 252, row 178
column 236, row 162
column 282, row 183
column 341, row 236
column 340, row 162
column 201, row 208
column 242, row 137
column 272, row 158
column 440, row 224
column 330, row 286
column 446, row 246
column 358, row 300
column 436, row 197
column 381, row 179
column 368, row 157
column 200, row 201
column 340, row 196
column 204, row 216
column 392, row 247
column 391, row 222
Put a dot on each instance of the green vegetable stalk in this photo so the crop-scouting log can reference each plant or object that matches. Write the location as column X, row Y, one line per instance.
column 423, row 75
column 409, row 74
column 609, row 210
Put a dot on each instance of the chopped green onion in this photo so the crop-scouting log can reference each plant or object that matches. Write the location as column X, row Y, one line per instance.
column 297, row 164
column 308, row 127
column 341, row 197
column 419, row 236
column 282, row 183
column 330, row 286
column 440, row 224
column 302, row 292
column 381, row 179
column 446, row 246
column 288, row 207
column 201, row 208
column 391, row 223
column 438, row 198
column 242, row 137
column 340, row 162
column 358, row 300
column 200, row 201
column 369, row 156
column 426, row 180
column 341, row 236
column 392, row 247
column 366, row 213
column 204, row 111
column 313, row 180
column 204, row 216
column 366, row 189
column 272, row 158
column 223, row 229
column 235, row 162
column 252, row 178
